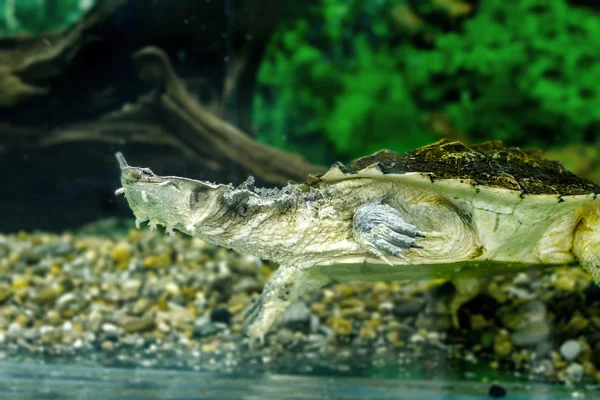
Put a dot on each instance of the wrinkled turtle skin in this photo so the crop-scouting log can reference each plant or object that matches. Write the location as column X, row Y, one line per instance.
column 441, row 211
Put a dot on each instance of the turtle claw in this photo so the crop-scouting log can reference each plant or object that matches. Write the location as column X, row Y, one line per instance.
column 382, row 231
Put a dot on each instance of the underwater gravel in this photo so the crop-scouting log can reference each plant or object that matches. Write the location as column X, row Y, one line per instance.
column 144, row 299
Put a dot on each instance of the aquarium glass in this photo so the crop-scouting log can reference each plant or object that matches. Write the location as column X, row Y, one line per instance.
column 320, row 199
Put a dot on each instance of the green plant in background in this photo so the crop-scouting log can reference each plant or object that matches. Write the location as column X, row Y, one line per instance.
column 343, row 79
column 39, row 16
column 335, row 89
column 523, row 71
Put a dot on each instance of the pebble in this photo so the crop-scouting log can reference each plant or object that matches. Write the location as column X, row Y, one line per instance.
column 408, row 307
column 502, row 345
column 14, row 331
column 296, row 317
column 574, row 372
column 5, row 293
column 520, row 315
column 137, row 325
column 385, row 306
column 368, row 333
column 565, row 283
column 478, row 321
column 203, row 327
column 340, row 325
column 121, row 254
column 220, row 314
column 19, row 283
column 66, row 300
column 131, row 289
column 531, row 334
column 172, row 288
column 577, row 324
column 46, row 295
column 496, row 391
column 570, row 349
column 108, row 345
column 111, row 331
column 110, row 294
column 141, row 306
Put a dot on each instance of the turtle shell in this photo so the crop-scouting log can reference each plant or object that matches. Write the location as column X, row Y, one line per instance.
column 487, row 164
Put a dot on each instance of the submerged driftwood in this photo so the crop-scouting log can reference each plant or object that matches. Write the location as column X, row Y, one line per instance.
column 68, row 100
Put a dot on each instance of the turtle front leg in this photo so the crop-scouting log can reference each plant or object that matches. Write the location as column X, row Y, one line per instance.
column 382, row 231
column 283, row 288
column 586, row 242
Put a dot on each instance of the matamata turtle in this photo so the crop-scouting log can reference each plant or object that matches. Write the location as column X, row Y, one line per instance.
column 441, row 211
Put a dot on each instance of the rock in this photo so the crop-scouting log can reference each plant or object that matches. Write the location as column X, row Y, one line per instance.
column 521, row 279
column 574, row 372
column 496, row 391
column 66, row 300
column 319, row 309
column 172, row 288
column 53, row 318
column 31, row 334
column 181, row 318
column 531, row 334
column 519, row 315
column 108, row 345
column 577, row 324
column 138, row 325
column 131, row 289
column 54, row 248
column 433, row 321
column 502, row 345
column 210, row 347
column 46, row 295
column 565, row 283
column 478, row 321
column 570, row 349
column 5, row 293
column 340, row 325
column 14, row 331
column 141, row 306
column 220, row 314
column 49, row 335
column 408, row 307
column 544, row 348
column 296, row 317
column 203, row 327
column 111, row 332
column 156, row 261
column 367, row 333
column 19, row 282
column 95, row 321
column 385, row 306
column 121, row 254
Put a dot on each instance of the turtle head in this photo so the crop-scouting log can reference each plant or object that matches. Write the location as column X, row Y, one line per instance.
column 177, row 203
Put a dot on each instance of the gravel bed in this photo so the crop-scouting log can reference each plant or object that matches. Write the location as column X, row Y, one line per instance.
column 145, row 299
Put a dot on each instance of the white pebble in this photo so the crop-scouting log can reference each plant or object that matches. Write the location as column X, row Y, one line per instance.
column 570, row 349
column 14, row 331
column 575, row 372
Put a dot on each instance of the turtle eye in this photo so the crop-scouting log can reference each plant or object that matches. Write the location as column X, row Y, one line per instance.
column 199, row 197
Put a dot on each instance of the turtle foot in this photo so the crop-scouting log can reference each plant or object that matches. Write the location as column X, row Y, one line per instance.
column 283, row 288
column 382, row 231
